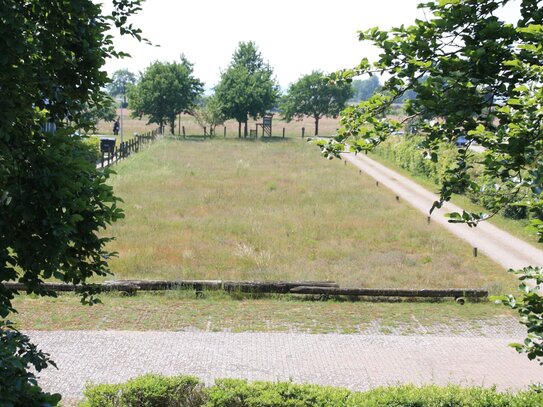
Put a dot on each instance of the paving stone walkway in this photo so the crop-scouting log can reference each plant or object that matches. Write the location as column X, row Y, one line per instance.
column 358, row 362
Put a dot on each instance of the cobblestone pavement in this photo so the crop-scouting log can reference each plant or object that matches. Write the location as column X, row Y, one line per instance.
column 357, row 362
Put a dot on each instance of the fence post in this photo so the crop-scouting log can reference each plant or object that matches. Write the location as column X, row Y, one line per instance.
column 283, row 132
column 303, row 132
column 184, row 132
column 224, row 131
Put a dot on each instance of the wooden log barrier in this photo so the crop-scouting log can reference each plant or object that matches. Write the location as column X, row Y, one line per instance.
column 391, row 292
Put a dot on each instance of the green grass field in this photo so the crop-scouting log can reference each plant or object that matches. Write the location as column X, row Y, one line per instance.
column 255, row 210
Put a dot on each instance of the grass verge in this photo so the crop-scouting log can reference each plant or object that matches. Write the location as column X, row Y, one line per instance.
column 179, row 310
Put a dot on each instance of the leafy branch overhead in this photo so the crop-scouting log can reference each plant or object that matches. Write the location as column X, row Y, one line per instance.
column 474, row 75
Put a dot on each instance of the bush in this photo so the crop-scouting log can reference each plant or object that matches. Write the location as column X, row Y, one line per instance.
column 153, row 390
column 405, row 153
column 147, row 391
column 93, row 147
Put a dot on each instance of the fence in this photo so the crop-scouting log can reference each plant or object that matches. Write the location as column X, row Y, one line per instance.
column 127, row 148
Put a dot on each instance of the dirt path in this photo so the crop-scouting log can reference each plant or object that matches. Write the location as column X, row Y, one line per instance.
column 358, row 362
column 505, row 249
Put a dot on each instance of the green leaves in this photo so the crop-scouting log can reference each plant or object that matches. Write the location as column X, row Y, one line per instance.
column 313, row 95
column 164, row 91
column 247, row 87
column 530, row 309
column 53, row 202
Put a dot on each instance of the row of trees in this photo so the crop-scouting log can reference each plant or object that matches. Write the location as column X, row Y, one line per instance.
column 247, row 89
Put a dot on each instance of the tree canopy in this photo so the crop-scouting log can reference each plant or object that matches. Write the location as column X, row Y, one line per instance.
column 121, row 81
column 314, row 96
column 53, row 200
column 483, row 79
column 208, row 113
column 363, row 89
column 165, row 90
column 247, row 88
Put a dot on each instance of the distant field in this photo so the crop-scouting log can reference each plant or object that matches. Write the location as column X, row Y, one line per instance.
column 254, row 210
column 327, row 126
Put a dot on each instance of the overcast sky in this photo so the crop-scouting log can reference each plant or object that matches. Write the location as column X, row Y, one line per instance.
column 294, row 36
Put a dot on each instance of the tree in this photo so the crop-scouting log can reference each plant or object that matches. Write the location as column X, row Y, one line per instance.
column 247, row 88
column 164, row 91
column 121, row 81
column 313, row 95
column 53, row 200
column 484, row 79
column 208, row 113
column 94, row 113
column 364, row 89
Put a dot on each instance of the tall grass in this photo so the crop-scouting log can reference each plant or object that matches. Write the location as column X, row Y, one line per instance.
column 255, row 210
column 327, row 126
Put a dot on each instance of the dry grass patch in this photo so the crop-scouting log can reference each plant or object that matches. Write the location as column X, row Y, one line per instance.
column 255, row 210
column 327, row 126
column 174, row 311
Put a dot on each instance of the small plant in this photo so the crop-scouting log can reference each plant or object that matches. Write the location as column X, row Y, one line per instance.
column 530, row 309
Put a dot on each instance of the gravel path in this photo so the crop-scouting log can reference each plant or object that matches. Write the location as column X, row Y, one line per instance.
column 500, row 246
column 358, row 362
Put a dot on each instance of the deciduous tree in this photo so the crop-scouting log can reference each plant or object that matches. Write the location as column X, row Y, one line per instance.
column 208, row 113
column 165, row 90
column 247, row 88
column 53, row 201
column 121, row 81
column 314, row 96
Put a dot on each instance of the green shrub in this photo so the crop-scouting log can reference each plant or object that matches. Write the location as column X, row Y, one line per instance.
column 159, row 391
column 93, row 147
column 147, row 391
column 405, row 153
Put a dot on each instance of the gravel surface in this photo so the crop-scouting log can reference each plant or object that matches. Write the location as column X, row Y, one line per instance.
column 500, row 246
column 358, row 362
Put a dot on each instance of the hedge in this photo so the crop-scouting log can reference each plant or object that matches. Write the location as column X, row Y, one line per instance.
column 186, row 391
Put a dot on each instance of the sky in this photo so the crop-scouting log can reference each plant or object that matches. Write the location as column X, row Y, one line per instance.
column 294, row 36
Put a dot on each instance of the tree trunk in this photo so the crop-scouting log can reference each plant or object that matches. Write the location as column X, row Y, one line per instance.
column 245, row 130
column 172, row 127
column 239, row 129
column 316, row 125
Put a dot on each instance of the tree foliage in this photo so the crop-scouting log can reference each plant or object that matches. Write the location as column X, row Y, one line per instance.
column 364, row 89
column 165, row 90
column 208, row 113
column 484, row 79
column 121, row 81
column 314, row 96
column 53, row 201
column 247, row 88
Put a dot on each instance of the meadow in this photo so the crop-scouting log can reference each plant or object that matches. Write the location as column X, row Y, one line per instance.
column 327, row 126
column 275, row 210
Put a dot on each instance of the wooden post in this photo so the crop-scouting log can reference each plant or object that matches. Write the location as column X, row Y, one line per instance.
column 428, row 219
column 397, row 198
column 474, row 252
column 179, row 125
column 224, row 131
column 183, row 131
column 205, row 131
column 283, row 132
column 303, row 132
